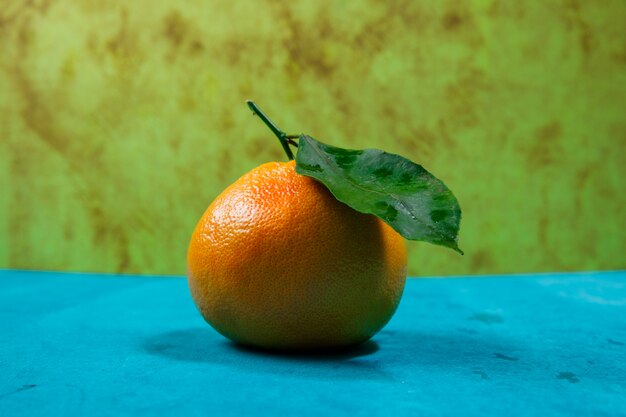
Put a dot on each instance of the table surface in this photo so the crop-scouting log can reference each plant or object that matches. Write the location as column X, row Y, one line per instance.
column 545, row 345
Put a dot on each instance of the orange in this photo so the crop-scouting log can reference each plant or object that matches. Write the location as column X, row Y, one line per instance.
column 277, row 262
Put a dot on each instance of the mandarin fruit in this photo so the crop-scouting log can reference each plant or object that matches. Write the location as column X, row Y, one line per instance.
column 277, row 262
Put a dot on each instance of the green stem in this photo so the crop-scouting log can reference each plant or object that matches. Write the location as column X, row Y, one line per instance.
column 282, row 136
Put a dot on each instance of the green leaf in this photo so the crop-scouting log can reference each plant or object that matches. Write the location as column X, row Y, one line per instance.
column 400, row 192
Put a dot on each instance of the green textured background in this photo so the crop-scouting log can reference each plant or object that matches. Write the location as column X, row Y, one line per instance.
column 120, row 121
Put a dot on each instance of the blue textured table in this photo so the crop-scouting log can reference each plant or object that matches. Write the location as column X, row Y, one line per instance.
column 92, row 345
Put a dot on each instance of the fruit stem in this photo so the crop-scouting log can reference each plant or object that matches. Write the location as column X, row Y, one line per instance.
column 282, row 136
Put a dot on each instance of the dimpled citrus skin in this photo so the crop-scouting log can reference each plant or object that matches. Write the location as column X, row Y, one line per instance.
column 277, row 262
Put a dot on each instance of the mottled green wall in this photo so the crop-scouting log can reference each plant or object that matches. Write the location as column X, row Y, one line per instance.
column 121, row 120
